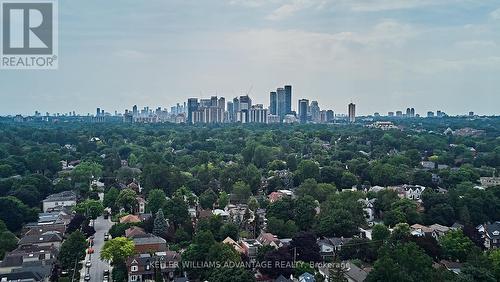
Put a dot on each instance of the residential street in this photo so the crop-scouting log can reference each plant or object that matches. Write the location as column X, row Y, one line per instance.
column 101, row 226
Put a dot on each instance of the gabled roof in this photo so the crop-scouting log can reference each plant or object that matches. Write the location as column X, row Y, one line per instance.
column 130, row 219
column 63, row 196
column 493, row 230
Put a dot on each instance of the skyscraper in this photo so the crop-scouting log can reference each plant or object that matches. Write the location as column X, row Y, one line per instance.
column 303, row 106
column 192, row 107
column 315, row 111
column 288, row 99
column 273, row 103
column 281, row 102
column 352, row 112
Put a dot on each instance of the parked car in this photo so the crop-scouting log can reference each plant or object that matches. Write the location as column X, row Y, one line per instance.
column 87, row 277
column 88, row 263
column 106, row 236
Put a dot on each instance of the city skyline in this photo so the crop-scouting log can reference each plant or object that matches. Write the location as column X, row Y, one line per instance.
column 382, row 54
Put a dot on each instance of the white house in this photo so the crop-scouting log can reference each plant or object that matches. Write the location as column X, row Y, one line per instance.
column 65, row 199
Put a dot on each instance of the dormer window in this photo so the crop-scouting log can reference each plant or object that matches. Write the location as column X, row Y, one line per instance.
column 496, row 232
column 134, row 268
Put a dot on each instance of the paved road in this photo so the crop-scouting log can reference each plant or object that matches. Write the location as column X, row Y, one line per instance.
column 101, row 226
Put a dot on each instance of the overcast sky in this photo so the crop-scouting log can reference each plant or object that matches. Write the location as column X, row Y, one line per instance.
column 384, row 55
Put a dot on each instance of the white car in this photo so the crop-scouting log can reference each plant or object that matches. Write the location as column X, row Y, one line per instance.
column 88, row 264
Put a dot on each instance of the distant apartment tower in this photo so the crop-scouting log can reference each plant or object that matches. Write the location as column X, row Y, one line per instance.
column 288, row 99
column 258, row 114
column 281, row 110
column 351, row 108
column 390, row 114
column 330, row 116
column 303, row 109
column 430, row 114
column 98, row 112
column 315, row 112
column 273, row 103
column 192, row 107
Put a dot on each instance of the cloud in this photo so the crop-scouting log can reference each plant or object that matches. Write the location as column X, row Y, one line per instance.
column 289, row 9
column 495, row 14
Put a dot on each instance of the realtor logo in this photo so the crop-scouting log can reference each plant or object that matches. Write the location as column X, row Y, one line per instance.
column 29, row 35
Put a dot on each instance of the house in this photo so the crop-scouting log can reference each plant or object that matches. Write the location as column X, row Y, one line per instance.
column 455, row 267
column 280, row 194
column 307, row 277
column 149, row 243
column 282, row 278
column 135, row 232
column 130, row 218
column 23, row 276
column 419, row 230
column 368, row 208
column 233, row 244
column 439, row 229
column 269, row 239
column 352, row 272
column 222, row 213
column 47, row 239
column 428, row 165
column 491, row 234
column 326, row 249
column 412, row 192
column 29, row 255
column 355, row 274
column 66, row 199
column 250, row 247
column 488, row 182
column 329, row 246
column 141, row 205
column 142, row 267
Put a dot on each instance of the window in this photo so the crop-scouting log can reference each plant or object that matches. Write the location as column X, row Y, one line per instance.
column 133, row 268
column 133, row 278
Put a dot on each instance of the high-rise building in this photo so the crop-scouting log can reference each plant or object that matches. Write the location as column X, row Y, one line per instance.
column 281, row 102
column 430, row 114
column 98, row 112
column 412, row 112
column 399, row 114
column 273, row 103
column 213, row 101
column 192, row 107
column 258, row 114
column 303, row 109
column 352, row 112
column 390, row 114
column 222, row 103
column 288, row 99
column 330, row 116
column 134, row 110
column 315, row 112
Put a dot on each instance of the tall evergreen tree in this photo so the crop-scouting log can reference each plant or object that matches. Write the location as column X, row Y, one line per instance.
column 160, row 224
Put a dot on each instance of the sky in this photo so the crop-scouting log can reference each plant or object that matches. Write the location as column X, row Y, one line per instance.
column 383, row 55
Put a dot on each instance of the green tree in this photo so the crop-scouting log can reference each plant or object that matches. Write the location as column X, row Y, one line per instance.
column 156, row 200
column 85, row 172
column 231, row 274
column 380, row 232
column 305, row 212
column 307, row 169
column 72, row 250
column 110, row 198
column 90, row 208
column 402, row 262
column 223, row 199
column 208, row 199
column 14, row 213
column 160, row 224
column 455, row 245
column 127, row 199
column 117, row 249
column 241, row 192
column 8, row 240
